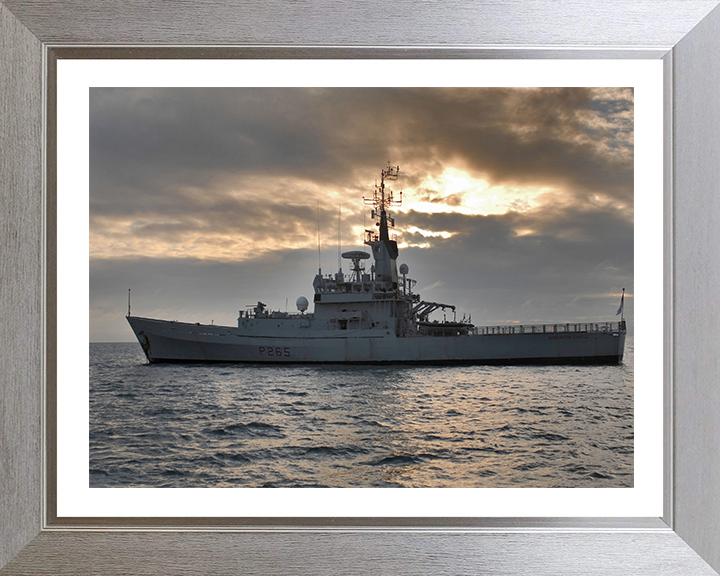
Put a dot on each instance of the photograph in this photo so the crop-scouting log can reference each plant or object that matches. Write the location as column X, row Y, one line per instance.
column 361, row 287
column 385, row 253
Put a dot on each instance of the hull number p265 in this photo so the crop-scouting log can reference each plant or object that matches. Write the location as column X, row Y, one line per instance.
column 274, row 351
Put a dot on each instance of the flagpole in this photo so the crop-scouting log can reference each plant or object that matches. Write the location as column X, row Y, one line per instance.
column 621, row 310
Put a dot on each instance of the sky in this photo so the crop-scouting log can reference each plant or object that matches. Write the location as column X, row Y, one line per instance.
column 517, row 202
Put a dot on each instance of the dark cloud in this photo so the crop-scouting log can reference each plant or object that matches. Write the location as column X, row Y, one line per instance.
column 154, row 141
column 486, row 254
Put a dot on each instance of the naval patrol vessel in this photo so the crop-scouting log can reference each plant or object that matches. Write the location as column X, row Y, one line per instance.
column 373, row 316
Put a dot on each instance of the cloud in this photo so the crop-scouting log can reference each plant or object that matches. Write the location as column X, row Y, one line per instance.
column 520, row 195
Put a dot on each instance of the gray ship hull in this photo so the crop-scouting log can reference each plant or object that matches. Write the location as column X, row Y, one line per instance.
column 167, row 341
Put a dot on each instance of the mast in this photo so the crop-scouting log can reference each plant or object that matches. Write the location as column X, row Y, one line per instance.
column 384, row 249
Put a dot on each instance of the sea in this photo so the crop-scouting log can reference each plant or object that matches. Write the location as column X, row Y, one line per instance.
column 230, row 425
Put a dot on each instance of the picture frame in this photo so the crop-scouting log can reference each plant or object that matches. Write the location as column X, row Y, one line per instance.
column 686, row 540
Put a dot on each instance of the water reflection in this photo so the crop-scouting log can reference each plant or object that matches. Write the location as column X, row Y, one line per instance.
column 230, row 425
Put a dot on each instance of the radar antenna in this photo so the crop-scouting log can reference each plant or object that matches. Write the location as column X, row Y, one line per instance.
column 356, row 256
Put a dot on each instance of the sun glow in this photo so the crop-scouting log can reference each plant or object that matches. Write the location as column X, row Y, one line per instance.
column 524, row 232
column 403, row 245
column 458, row 191
column 429, row 233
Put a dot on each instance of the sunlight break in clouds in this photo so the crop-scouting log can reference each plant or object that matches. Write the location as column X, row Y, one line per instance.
column 455, row 190
column 427, row 233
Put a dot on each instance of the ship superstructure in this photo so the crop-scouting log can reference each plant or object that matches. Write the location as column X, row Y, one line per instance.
column 372, row 316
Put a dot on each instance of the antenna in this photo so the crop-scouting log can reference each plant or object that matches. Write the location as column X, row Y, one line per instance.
column 318, row 237
column 362, row 239
column 338, row 240
column 381, row 201
column 128, row 303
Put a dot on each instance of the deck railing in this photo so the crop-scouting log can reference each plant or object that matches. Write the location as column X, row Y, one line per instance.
column 583, row 327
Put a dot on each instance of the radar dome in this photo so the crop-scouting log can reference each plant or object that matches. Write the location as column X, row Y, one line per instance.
column 302, row 303
column 404, row 269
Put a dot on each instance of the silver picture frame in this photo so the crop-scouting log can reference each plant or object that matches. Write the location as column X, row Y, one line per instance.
column 685, row 34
